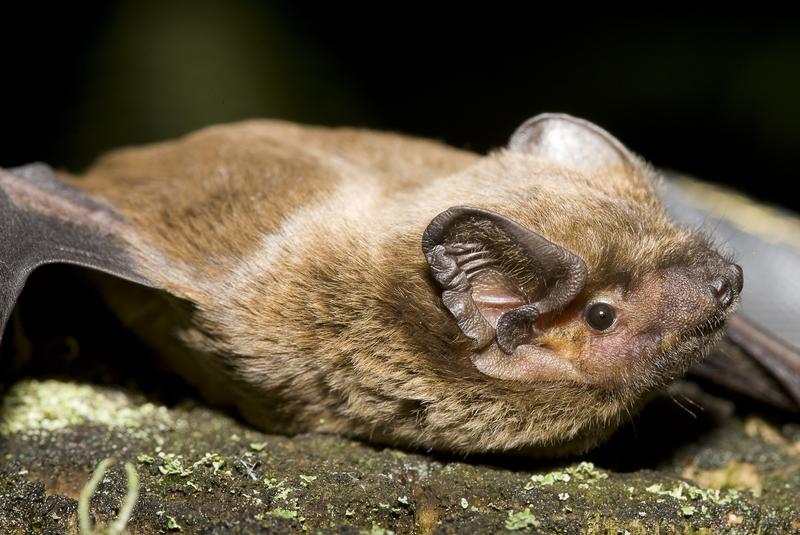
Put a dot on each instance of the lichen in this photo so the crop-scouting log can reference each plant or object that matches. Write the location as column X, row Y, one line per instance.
column 332, row 484
column 583, row 471
column 214, row 460
column 31, row 406
column 283, row 513
column 172, row 524
column 307, row 480
column 518, row 520
column 734, row 475
column 684, row 491
column 172, row 465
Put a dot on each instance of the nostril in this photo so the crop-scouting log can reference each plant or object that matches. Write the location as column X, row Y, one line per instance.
column 723, row 292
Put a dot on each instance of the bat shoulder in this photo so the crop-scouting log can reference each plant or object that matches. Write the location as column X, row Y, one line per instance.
column 385, row 155
column 271, row 155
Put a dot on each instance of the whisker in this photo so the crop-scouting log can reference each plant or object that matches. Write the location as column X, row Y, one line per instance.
column 633, row 423
column 679, row 404
column 693, row 402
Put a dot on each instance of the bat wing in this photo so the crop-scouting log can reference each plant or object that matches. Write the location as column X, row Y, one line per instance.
column 753, row 362
column 759, row 357
column 44, row 221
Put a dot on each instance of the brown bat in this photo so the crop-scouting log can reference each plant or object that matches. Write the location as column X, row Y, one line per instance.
column 381, row 286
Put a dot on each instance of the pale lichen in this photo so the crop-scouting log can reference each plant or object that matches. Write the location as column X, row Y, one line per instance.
column 31, row 406
column 518, row 520
column 584, row 472
column 684, row 491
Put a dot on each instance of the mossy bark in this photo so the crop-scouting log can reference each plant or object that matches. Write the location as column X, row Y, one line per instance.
column 202, row 471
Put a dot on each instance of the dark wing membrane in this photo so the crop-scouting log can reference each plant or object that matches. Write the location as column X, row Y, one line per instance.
column 760, row 357
column 44, row 221
column 736, row 369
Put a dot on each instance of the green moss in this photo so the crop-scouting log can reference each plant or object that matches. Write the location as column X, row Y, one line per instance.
column 306, row 480
column 172, row 465
column 283, row 513
column 172, row 524
column 521, row 520
column 333, row 484
column 685, row 491
column 584, row 471
column 52, row 405
column 213, row 460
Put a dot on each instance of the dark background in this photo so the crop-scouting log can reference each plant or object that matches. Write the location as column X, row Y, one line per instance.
column 711, row 95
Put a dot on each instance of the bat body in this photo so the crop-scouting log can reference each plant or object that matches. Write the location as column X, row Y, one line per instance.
column 391, row 288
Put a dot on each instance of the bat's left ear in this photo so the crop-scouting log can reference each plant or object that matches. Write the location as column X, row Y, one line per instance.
column 572, row 142
column 45, row 221
column 460, row 244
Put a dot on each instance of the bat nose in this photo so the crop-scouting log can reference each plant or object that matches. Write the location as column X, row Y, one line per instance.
column 726, row 287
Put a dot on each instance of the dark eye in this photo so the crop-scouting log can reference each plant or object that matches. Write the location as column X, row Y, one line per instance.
column 600, row 316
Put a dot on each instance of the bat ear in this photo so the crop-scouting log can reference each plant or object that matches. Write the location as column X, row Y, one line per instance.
column 570, row 141
column 476, row 256
column 44, row 221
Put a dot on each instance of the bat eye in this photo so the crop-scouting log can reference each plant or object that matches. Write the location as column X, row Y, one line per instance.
column 600, row 316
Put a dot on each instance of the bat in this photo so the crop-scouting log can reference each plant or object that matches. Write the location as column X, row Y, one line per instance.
column 397, row 289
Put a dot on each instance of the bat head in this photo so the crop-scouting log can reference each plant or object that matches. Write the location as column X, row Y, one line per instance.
column 575, row 294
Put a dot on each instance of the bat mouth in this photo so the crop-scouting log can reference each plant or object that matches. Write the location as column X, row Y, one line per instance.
column 695, row 342
column 715, row 322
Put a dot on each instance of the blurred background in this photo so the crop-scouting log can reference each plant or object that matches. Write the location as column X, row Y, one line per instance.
column 712, row 96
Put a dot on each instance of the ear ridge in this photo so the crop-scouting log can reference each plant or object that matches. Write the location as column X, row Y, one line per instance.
column 571, row 141
column 456, row 295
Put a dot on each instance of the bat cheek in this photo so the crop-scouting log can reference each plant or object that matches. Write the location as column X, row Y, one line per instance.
column 609, row 357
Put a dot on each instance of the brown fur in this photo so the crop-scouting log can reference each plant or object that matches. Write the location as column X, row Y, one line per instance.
column 307, row 302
